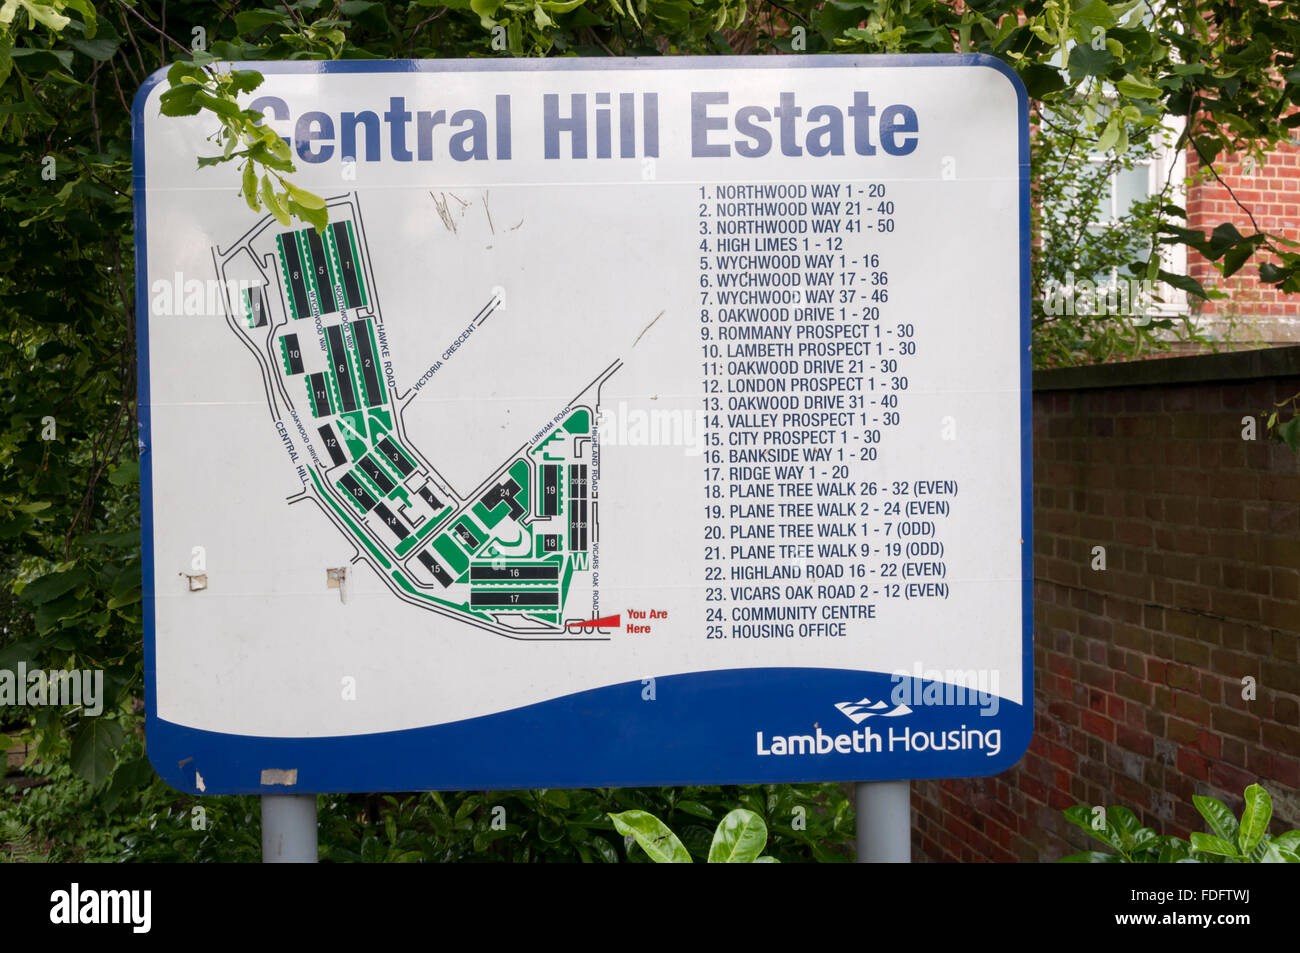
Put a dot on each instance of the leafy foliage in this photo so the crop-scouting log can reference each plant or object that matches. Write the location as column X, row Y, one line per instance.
column 138, row 818
column 1230, row 840
column 739, row 839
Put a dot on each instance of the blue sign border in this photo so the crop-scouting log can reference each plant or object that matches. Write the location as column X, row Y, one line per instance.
column 606, row 737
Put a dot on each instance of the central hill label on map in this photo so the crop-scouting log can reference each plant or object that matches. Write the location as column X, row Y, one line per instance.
column 628, row 423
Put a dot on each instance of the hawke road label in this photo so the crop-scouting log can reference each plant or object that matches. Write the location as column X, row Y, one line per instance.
column 630, row 422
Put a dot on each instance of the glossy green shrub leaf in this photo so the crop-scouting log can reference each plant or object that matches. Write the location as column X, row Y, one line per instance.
column 739, row 839
column 1212, row 844
column 653, row 836
column 1221, row 820
column 1254, row 818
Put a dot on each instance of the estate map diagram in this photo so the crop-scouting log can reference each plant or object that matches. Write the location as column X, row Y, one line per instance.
column 503, row 556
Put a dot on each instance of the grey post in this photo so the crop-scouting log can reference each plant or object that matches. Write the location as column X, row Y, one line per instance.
column 884, row 822
column 289, row 828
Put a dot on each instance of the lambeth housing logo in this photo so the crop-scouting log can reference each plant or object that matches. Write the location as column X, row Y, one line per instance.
column 864, row 708
column 948, row 689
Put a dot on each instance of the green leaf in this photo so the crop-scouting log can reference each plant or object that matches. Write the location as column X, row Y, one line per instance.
column 1089, row 16
column 244, row 80
column 89, row 21
column 487, row 11
column 126, row 473
column 316, row 217
column 1174, row 850
column 6, row 57
column 739, row 839
column 179, row 101
column 223, row 106
column 1209, row 844
column 41, row 60
column 101, row 50
column 1137, row 90
column 46, row 14
column 302, row 196
column 49, row 587
column 1184, row 283
column 1109, row 136
column 653, row 835
column 250, row 21
column 249, row 189
column 1289, row 433
column 1234, row 259
column 1216, row 814
column 1223, row 237
column 1254, row 818
column 1085, row 61
column 695, row 808
column 93, row 742
column 1042, row 80
column 1081, row 816
column 557, row 798
column 273, row 203
column 1288, row 841
column 1272, row 274
column 182, row 70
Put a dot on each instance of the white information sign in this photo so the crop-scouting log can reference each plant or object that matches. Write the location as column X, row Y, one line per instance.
column 631, row 422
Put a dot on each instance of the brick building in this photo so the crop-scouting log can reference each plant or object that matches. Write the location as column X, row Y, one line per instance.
column 1253, row 314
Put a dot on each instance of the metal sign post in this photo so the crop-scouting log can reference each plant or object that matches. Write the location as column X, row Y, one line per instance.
column 289, row 829
column 884, row 822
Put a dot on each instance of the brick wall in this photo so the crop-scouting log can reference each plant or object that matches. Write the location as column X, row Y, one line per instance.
column 1271, row 191
column 1139, row 668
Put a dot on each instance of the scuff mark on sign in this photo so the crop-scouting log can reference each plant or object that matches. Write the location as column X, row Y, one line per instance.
column 285, row 776
column 444, row 209
column 647, row 328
